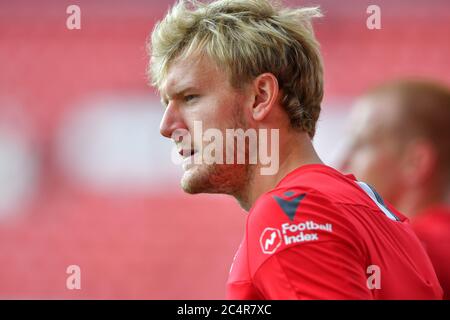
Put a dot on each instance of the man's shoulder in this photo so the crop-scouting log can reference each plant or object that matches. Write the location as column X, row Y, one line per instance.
column 308, row 207
column 286, row 207
column 294, row 216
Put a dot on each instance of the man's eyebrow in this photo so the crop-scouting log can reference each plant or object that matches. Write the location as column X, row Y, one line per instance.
column 177, row 93
column 183, row 91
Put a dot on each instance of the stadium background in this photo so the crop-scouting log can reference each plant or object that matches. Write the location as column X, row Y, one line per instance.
column 86, row 179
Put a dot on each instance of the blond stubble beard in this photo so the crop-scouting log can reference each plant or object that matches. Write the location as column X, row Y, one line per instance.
column 231, row 179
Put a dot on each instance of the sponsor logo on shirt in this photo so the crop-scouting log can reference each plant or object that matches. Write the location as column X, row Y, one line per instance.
column 291, row 233
column 270, row 240
column 290, row 204
column 295, row 233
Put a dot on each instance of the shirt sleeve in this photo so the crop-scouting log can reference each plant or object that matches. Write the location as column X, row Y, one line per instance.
column 304, row 251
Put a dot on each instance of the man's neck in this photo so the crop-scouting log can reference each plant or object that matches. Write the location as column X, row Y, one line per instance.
column 417, row 201
column 293, row 153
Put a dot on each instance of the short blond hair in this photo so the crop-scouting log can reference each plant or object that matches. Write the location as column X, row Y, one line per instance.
column 247, row 38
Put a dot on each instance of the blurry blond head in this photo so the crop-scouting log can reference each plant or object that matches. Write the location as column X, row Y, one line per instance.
column 399, row 142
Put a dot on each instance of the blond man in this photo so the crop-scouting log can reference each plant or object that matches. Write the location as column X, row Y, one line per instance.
column 311, row 232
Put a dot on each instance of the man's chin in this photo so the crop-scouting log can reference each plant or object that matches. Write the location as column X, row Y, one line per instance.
column 195, row 180
column 188, row 187
column 214, row 178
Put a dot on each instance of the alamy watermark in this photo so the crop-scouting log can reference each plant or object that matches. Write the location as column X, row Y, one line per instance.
column 73, row 281
column 374, row 280
column 73, row 21
column 374, row 19
column 230, row 147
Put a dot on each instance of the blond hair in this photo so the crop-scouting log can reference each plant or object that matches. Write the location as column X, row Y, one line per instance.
column 248, row 38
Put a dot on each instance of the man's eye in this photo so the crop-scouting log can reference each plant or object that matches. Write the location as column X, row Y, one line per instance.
column 190, row 97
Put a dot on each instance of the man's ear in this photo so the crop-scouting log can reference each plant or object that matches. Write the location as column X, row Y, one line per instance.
column 266, row 94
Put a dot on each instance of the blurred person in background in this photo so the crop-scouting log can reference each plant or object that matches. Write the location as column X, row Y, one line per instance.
column 399, row 143
column 312, row 232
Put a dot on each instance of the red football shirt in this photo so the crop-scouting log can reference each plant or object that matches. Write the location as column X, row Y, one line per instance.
column 322, row 235
column 432, row 226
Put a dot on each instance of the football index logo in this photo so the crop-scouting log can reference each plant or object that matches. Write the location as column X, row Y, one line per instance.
column 270, row 240
column 292, row 233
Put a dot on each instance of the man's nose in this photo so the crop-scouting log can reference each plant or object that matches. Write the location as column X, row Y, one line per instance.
column 171, row 121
